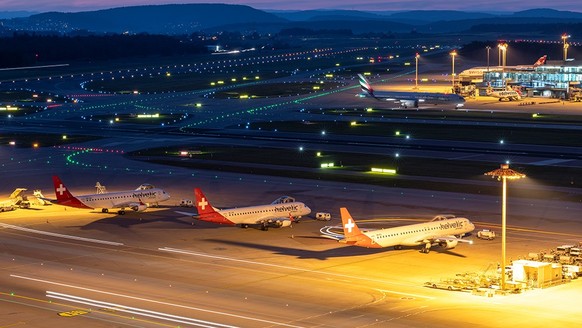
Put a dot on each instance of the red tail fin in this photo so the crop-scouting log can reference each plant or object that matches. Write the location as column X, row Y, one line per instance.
column 350, row 227
column 353, row 235
column 541, row 61
column 64, row 197
column 206, row 211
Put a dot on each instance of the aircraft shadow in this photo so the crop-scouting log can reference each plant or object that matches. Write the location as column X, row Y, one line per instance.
column 129, row 221
column 337, row 252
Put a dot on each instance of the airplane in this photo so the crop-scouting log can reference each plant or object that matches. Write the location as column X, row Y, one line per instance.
column 505, row 95
column 13, row 200
column 280, row 213
column 476, row 73
column 440, row 231
column 136, row 200
column 408, row 99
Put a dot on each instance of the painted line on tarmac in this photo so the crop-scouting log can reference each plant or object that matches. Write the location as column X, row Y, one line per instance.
column 136, row 311
column 58, row 235
column 278, row 324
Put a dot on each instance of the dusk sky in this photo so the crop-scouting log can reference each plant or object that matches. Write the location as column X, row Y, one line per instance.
column 477, row 5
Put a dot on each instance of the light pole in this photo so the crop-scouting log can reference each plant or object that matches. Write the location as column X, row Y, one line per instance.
column 453, row 54
column 503, row 49
column 566, row 45
column 503, row 174
column 416, row 78
column 488, row 48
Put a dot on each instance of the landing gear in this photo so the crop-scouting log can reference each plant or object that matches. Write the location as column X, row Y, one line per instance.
column 426, row 249
column 265, row 226
column 397, row 247
column 121, row 212
column 105, row 210
column 244, row 226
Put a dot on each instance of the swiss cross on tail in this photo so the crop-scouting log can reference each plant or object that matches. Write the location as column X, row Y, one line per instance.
column 61, row 189
column 206, row 212
column 350, row 227
column 64, row 197
column 202, row 204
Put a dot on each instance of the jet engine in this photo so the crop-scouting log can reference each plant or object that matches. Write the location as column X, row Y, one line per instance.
column 409, row 103
column 283, row 223
column 139, row 208
column 448, row 244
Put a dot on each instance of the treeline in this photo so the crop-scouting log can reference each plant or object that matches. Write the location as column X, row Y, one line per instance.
column 29, row 49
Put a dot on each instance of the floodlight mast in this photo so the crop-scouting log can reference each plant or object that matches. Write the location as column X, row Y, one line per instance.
column 504, row 173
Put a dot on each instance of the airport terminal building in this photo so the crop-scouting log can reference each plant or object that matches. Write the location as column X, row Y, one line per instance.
column 556, row 79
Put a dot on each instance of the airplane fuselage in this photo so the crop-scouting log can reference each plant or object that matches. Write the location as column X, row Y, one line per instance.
column 113, row 199
column 417, row 234
column 260, row 213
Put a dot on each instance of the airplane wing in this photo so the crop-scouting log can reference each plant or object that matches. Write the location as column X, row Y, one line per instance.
column 444, row 239
column 136, row 206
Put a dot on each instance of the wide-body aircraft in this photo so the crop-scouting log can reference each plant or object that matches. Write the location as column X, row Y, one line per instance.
column 442, row 231
column 136, row 200
column 280, row 213
column 475, row 74
column 409, row 99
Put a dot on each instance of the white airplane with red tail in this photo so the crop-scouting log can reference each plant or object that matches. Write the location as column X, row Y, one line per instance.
column 442, row 231
column 136, row 200
column 280, row 213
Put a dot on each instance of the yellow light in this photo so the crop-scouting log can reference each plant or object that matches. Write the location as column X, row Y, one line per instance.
column 407, row 64
column 257, row 77
column 318, row 154
column 367, row 73
column 337, row 64
column 353, row 123
column 326, row 165
column 316, row 87
column 328, row 75
column 424, row 80
column 244, row 97
column 220, row 82
column 12, row 143
column 35, row 145
column 148, row 115
column 198, row 105
column 233, row 79
column 183, row 153
column 385, row 171
column 369, row 109
column 168, row 74
column 117, row 119
column 64, row 137
column 397, row 133
column 49, row 100
column 135, row 92
column 212, row 83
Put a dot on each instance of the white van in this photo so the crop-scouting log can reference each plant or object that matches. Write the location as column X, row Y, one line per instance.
column 323, row 216
column 186, row 203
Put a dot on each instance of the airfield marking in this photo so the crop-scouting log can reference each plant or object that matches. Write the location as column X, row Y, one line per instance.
column 153, row 301
column 52, row 234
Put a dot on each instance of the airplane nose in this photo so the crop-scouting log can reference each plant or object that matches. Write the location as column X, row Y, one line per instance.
column 307, row 209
